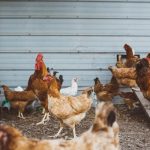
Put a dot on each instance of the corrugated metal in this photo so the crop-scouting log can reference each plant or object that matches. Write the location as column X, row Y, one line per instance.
column 78, row 38
column 86, row 77
column 99, row 44
column 90, row 9
column 75, row 27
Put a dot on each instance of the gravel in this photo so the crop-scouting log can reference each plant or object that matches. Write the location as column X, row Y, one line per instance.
column 134, row 126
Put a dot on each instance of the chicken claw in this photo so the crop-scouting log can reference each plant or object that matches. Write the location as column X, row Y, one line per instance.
column 136, row 89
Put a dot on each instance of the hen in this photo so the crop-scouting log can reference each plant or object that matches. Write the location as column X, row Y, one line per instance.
column 19, row 99
column 131, row 59
column 71, row 91
column 106, row 92
column 59, row 80
column 143, row 77
column 69, row 110
column 120, row 63
column 98, row 86
column 129, row 99
column 124, row 76
column 148, row 57
column 103, row 135
column 123, row 72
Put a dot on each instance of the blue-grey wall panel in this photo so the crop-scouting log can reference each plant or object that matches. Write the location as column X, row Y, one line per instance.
column 58, row 61
column 15, row 78
column 75, row 27
column 99, row 44
column 78, row 38
column 82, row 9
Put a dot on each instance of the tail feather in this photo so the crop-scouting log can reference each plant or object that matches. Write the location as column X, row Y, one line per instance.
column 61, row 79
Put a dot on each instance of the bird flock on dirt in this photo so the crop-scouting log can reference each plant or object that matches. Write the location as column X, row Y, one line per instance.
column 70, row 108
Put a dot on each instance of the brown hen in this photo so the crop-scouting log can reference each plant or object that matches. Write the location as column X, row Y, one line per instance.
column 19, row 100
column 143, row 77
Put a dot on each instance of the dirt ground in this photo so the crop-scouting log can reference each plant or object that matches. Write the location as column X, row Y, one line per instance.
column 134, row 126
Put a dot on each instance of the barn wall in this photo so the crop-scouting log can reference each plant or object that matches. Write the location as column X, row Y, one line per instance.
column 78, row 38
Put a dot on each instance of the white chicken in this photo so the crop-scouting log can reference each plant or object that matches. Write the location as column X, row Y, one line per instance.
column 18, row 88
column 71, row 91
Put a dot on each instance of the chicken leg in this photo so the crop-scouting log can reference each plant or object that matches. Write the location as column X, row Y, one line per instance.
column 59, row 131
column 45, row 118
column 20, row 115
column 43, row 111
column 74, row 132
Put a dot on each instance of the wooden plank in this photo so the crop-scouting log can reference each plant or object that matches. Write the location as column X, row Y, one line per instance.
column 144, row 102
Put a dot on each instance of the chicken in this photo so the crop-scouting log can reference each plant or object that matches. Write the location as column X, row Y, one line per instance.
column 98, row 86
column 50, row 71
column 120, row 63
column 112, row 87
column 18, row 88
column 19, row 99
column 106, row 92
column 127, row 82
column 39, row 83
column 71, row 91
column 124, row 76
column 123, row 72
column 143, row 77
column 103, row 135
column 59, row 80
column 131, row 59
column 69, row 110
column 129, row 99
column 6, row 104
column 148, row 57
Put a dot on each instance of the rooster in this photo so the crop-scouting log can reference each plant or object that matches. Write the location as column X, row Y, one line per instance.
column 103, row 135
column 71, row 91
column 39, row 83
column 19, row 99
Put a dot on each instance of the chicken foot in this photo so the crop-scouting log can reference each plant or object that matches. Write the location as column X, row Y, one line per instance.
column 45, row 118
column 20, row 115
column 59, row 131
column 57, row 134
column 61, row 128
